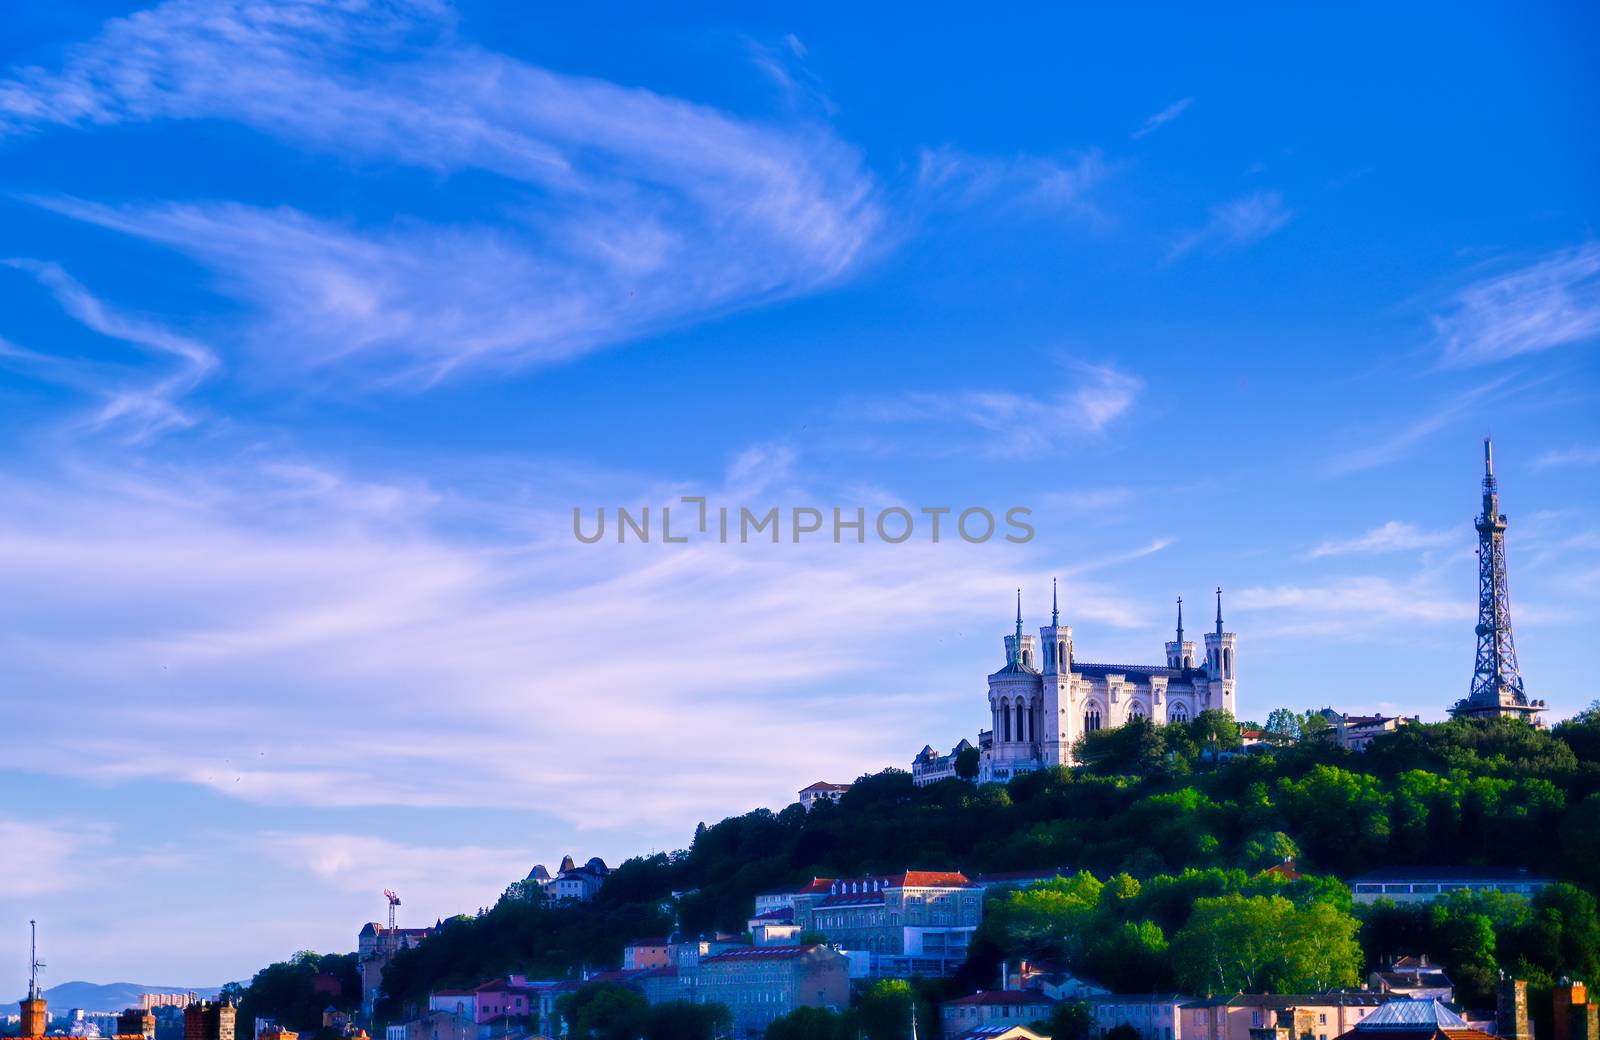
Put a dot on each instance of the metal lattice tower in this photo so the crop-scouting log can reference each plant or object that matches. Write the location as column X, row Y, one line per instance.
column 1496, row 680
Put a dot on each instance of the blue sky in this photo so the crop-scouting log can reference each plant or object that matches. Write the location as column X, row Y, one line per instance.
column 318, row 319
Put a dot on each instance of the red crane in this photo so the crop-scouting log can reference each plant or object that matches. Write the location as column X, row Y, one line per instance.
column 394, row 901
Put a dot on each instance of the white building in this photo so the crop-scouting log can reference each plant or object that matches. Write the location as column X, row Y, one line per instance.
column 1044, row 698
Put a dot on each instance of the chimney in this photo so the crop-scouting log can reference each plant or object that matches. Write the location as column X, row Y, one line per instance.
column 1511, row 1009
column 1576, row 1016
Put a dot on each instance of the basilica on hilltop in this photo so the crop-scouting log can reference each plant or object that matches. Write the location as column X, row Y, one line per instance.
column 1044, row 698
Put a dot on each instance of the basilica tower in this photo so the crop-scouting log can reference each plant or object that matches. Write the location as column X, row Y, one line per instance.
column 1056, row 726
column 1219, row 664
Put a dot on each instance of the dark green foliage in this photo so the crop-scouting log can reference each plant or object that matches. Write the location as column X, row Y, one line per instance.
column 883, row 1012
column 1069, row 1020
column 288, row 992
column 1158, row 805
column 1475, row 934
column 606, row 1011
column 967, row 763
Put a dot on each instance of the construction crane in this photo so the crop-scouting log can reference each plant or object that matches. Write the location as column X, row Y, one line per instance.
column 394, row 901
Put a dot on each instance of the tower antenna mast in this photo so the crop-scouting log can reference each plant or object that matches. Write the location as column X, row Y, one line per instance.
column 394, row 901
column 34, row 963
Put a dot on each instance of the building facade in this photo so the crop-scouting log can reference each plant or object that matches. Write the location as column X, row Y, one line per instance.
column 918, row 922
column 1425, row 884
column 758, row 984
column 375, row 948
column 570, row 883
column 821, row 791
column 1044, row 698
column 1006, row 1007
column 1317, row 1016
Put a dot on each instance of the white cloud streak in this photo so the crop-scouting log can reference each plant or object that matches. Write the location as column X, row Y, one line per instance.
column 1552, row 303
column 1011, row 423
column 1582, row 455
column 140, row 410
column 1030, row 184
column 635, row 211
column 1163, row 117
column 1394, row 536
column 327, row 642
column 1235, row 224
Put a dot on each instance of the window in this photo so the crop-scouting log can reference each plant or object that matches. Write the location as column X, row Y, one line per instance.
column 1180, row 713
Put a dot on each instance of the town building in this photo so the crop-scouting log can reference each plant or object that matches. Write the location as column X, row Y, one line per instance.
column 929, row 767
column 463, row 1002
column 571, row 882
column 376, row 946
column 1154, row 1016
column 434, row 1024
column 1408, row 1018
column 822, row 790
column 758, row 984
column 1317, row 1016
column 774, row 928
column 646, row 953
column 917, row 922
column 1426, row 884
column 1356, row 732
column 1006, row 1007
column 1050, row 980
column 1044, row 698
column 1413, row 977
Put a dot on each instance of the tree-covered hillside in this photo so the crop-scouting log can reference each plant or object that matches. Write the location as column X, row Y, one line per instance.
column 1154, row 803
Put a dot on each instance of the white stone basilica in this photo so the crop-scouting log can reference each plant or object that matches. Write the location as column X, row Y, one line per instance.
column 1044, row 699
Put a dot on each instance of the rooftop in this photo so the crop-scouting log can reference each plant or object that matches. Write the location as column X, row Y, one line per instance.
column 1001, row 998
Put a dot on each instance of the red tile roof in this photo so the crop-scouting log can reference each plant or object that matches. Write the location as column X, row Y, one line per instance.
column 823, row 785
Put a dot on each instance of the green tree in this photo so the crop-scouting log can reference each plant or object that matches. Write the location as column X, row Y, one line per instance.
column 884, row 1011
column 1235, row 943
column 604, row 1011
column 1069, row 1020
column 1283, row 724
column 966, row 764
column 810, row 1023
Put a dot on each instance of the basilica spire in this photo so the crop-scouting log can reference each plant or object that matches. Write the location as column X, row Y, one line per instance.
column 1219, row 611
column 1055, row 613
column 1180, row 624
column 1016, row 644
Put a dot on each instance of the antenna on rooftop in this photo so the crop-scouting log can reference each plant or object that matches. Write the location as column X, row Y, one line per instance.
column 34, row 963
column 394, row 901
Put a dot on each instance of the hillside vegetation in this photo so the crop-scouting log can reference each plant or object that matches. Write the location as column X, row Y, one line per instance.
column 1162, row 845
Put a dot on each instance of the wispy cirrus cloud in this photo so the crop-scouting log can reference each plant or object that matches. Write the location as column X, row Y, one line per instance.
column 1398, row 443
column 1582, row 455
column 138, row 406
column 1551, row 303
column 1235, row 224
column 1163, row 117
column 1394, row 536
column 1011, row 423
column 633, row 211
column 287, row 635
column 950, row 177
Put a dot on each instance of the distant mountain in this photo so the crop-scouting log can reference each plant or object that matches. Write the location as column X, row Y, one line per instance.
column 113, row 996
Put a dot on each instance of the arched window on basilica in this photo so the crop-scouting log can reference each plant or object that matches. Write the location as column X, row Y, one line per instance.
column 1091, row 719
column 1179, row 713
